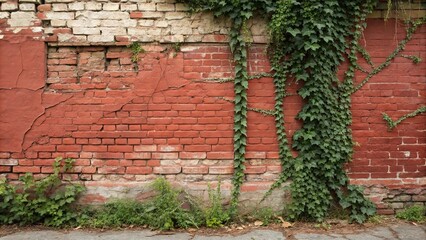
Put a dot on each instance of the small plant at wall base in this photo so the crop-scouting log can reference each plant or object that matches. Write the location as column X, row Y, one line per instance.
column 215, row 214
column 165, row 211
column 136, row 49
column 413, row 214
column 309, row 41
column 45, row 201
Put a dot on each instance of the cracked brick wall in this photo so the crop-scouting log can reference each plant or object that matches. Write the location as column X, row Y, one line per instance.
column 69, row 87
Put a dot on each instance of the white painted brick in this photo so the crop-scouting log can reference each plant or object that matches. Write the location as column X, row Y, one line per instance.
column 165, row 7
column 27, row 7
column 146, row 23
column 59, row 1
column 129, row 22
column 4, row 15
column 145, row 38
column 128, row 7
column 113, row 31
column 49, row 30
column 85, row 30
column 181, row 7
column 181, row 30
column 109, row 15
column 21, row 19
column 59, row 15
column 174, row 38
column 83, row 22
column 100, row 38
column 153, row 15
column 65, row 37
column 111, row 6
column 58, row 23
column 61, row 7
column 119, row 23
column 76, row 6
column 9, row 6
column 146, row 6
column 93, row 6
column 175, row 15
column 161, row 24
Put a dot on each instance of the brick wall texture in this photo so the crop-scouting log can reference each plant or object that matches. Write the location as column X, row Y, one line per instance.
column 69, row 87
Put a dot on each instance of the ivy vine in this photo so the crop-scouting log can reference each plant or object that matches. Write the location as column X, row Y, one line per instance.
column 392, row 124
column 309, row 41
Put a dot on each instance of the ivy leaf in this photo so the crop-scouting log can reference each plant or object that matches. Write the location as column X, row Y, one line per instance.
column 293, row 32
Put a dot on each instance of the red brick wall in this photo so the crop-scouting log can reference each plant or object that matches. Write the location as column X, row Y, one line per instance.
column 126, row 123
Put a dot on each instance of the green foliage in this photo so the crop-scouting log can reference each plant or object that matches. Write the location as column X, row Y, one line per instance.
column 45, row 201
column 392, row 124
column 309, row 41
column 215, row 214
column 415, row 59
column 413, row 214
column 119, row 213
column 136, row 49
column 163, row 212
column 265, row 215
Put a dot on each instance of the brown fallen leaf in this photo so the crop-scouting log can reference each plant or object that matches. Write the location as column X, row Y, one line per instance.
column 285, row 224
column 258, row 223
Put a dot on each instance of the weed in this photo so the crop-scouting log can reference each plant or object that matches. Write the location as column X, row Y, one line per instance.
column 47, row 201
column 119, row 213
column 376, row 219
column 265, row 215
column 177, row 46
column 215, row 214
column 413, row 214
column 136, row 49
column 165, row 210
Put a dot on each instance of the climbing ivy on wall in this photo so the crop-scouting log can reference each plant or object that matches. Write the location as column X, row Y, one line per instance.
column 309, row 41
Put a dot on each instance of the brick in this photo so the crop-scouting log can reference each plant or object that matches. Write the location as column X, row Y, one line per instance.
column 255, row 169
column 146, row 7
column 8, row 162
column 167, row 170
column 21, row 19
column 27, row 7
column 26, row 169
column 59, row 15
column 195, row 170
column 143, row 155
column 90, row 5
column 108, row 155
column 111, row 170
column 60, row 7
column 116, row 148
column 69, row 148
column 9, row 6
column 76, row 6
column 192, row 155
column 145, row 148
column 139, row 170
column 170, row 148
column 165, row 7
column 165, row 155
column 221, row 170
column 111, row 6
column 44, row 7
column 136, row 15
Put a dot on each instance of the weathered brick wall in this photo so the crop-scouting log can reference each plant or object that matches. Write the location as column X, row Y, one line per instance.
column 68, row 87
